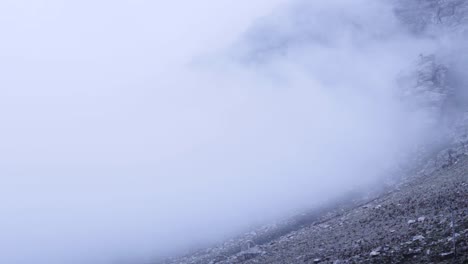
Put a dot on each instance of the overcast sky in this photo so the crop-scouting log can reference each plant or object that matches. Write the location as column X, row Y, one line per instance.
column 133, row 129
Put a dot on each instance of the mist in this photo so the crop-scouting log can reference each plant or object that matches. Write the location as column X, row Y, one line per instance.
column 132, row 130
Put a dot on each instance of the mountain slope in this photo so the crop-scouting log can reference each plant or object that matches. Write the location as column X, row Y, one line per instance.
column 422, row 220
column 423, row 217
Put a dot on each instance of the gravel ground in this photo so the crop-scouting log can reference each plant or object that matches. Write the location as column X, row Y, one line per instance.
column 424, row 219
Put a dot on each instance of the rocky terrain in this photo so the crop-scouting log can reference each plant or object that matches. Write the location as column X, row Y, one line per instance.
column 423, row 219
column 419, row 217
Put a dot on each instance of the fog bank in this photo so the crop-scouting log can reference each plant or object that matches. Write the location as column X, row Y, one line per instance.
column 135, row 129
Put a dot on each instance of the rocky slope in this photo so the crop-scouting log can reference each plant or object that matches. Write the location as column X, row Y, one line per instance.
column 421, row 216
column 423, row 219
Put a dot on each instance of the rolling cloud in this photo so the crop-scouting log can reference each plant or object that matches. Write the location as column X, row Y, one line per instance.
column 136, row 129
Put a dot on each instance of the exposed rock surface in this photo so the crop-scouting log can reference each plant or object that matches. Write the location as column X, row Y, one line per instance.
column 430, row 16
